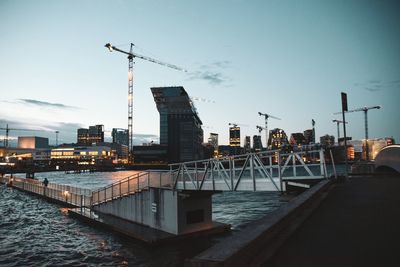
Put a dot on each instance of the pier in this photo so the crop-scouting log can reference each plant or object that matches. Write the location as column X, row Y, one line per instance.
column 154, row 205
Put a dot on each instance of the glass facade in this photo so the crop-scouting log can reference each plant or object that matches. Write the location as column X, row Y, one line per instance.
column 180, row 125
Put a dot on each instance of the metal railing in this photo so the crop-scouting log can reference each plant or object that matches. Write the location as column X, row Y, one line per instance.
column 262, row 171
column 132, row 185
column 65, row 193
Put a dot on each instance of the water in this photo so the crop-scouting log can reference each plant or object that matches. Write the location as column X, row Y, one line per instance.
column 34, row 232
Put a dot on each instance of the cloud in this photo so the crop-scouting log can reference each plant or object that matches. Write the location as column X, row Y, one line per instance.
column 372, row 89
column 212, row 73
column 45, row 104
column 67, row 131
column 377, row 85
column 139, row 139
column 375, row 81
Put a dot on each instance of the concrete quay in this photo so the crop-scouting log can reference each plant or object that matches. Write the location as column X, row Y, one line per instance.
column 358, row 224
column 350, row 223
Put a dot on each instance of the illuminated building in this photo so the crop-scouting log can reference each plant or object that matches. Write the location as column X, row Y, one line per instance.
column 257, row 144
column 82, row 153
column 32, row 142
column 180, row 125
column 277, row 139
column 234, row 140
column 234, row 136
column 83, row 136
column 374, row 146
column 93, row 135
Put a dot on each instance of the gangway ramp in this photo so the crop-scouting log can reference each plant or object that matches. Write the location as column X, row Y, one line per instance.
column 262, row 171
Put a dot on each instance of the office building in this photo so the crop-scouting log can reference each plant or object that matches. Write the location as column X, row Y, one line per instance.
column 120, row 136
column 180, row 125
column 83, row 136
column 277, row 139
column 247, row 144
column 93, row 135
column 234, row 136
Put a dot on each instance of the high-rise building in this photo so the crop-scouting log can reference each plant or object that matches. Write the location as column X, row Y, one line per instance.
column 83, row 136
column 247, row 144
column 120, row 136
column 234, row 136
column 309, row 136
column 277, row 138
column 257, row 144
column 180, row 125
column 95, row 134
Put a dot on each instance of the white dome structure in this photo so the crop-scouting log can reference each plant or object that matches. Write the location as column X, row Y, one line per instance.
column 388, row 158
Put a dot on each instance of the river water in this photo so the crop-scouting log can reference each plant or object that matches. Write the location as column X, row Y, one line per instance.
column 34, row 232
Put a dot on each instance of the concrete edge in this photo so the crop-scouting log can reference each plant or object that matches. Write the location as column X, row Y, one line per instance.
column 259, row 240
column 218, row 228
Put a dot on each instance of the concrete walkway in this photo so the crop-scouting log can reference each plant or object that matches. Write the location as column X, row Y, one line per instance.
column 358, row 224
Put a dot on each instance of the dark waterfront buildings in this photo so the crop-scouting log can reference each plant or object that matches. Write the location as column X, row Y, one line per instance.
column 180, row 125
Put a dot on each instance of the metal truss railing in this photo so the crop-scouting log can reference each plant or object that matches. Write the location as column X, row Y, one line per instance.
column 262, row 171
column 131, row 185
column 75, row 196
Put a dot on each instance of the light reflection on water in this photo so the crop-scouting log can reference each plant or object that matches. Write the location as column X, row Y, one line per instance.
column 34, row 232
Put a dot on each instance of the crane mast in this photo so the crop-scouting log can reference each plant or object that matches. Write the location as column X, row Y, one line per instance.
column 131, row 56
column 130, row 105
column 338, row 128
column 365, row 110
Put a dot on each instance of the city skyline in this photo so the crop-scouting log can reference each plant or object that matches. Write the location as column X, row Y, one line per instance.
column 288, row 59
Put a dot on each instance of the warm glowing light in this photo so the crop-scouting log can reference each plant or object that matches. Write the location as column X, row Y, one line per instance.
column 66, row 193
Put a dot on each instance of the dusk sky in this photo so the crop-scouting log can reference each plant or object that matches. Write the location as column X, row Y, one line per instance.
column 290, row 59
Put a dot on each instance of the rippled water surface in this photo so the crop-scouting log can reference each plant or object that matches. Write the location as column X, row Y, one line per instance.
column 34, row 232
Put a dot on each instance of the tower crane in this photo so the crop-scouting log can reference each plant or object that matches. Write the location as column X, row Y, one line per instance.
column 260, row 128
column 267, row 116
column 131, row 56
column 7, row 129
column 338, row 128
column 365, row 110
